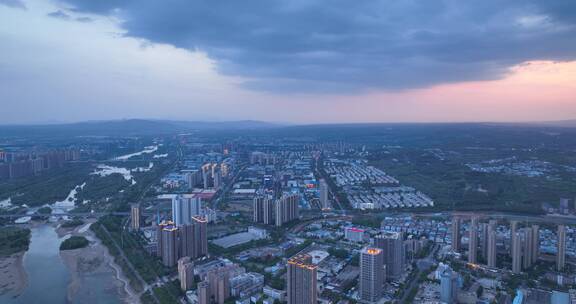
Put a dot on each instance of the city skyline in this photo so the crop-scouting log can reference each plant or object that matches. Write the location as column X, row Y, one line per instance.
column 287, row 152
column 79, row 61
column 414, row 213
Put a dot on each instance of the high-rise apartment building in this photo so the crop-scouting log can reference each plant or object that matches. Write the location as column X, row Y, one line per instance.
column 135, row 217
column 184, row 207
column 286, row 209
column 484, row 240
column 186, row 273
column 170, row 250
column 159, row 243
column 301, row 280
column 371, row 278
column 194, row 178
column 258, row 209
column 393, row 251
column 204, row 293
column 491, row 251
column 561, row 248
column 193, row 240
column 456, row 234
column 535, row 243
column 516, row 252
column 515, row 248
column 269, row 207
column 219, row 281
column 473, row 241
column 448, row 286
column 217, row 177
column 324, row 194
column 564, row 207
column 527, row 247
column 200, row 238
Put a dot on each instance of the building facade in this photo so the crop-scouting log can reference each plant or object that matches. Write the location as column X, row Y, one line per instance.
column 287, row 209
column 135, row 217
column 184, row 207
column 473, row 241
column 561, row 248
column 301, row 280
column 186, row 273
column 258, row 209
column 456, row 238
column 394, row 253
column 491, row 251
column 170, row 248
column 371, row 278
column 448, row 286
column 323, row 189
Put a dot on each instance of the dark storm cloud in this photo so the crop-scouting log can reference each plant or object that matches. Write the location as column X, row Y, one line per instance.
column 13, row 3
column 346, row 46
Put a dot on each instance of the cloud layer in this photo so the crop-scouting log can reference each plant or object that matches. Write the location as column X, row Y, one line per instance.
column 349, row 46
column 13, row 3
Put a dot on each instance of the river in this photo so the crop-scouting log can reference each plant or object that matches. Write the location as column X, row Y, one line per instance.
column 48, row 276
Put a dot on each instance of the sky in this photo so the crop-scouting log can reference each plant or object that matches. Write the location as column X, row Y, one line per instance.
column 296, row 61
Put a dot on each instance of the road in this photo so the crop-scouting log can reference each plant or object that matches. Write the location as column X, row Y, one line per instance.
column 422, row 265
column 303, row 224
column 132, row 268
column 218, row 198
column 331, row 191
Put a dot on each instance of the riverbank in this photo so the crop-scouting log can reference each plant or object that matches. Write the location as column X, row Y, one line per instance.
column 91, row 262
column 13, row 279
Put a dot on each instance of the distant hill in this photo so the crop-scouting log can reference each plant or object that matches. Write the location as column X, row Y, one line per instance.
column 561, row 123
column 554, row 124
column 128, row 127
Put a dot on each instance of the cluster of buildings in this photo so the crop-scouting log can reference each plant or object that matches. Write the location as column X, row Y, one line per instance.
column 208, row 175
column 281, row 171
column 24, row 164
column 269, row 211
column 184, row 236
column 383, row 260
column 524, row 243
column 388, row 197
column 185, row 240
column 355, row 172
column 367, row 187
column 201, row 168
column 567, row 206
column 512, row 166
column 221, row 280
